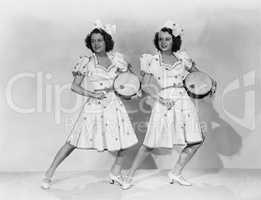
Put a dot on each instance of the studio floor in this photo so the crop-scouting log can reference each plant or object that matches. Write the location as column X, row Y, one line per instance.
column 225, row 184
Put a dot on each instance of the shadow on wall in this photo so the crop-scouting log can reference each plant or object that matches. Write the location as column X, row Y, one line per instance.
column 221, row 138
column 228, row 61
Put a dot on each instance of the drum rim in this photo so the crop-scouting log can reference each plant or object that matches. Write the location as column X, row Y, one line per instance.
column 193, row 95
column 127, row 97
column 196, row 96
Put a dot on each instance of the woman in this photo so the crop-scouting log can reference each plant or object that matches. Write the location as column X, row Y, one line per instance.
column 174, row 119
column 103, row 123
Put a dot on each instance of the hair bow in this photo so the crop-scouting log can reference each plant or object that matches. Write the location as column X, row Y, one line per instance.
column 109, row 28
column 176, row 28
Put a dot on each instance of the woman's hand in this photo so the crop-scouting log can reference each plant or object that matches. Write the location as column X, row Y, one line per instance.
column 169, row 103
column 97, row 95
column 137, row 95
column 128, row 68
column 214, row 88
column 119, row 70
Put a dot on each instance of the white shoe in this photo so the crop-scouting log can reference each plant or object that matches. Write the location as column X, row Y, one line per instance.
column 178, row 179
column 127, row 184
column 115, row 179
column 46, row 183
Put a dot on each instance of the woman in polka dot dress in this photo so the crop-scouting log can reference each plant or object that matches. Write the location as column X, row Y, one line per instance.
column 103, row 123
column 174, row 118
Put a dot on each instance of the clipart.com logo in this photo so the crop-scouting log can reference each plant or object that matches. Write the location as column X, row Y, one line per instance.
column 48, row 97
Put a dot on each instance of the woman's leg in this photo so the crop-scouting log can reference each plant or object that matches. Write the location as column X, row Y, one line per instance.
column 117, row 165
column 141, row 155
column 184, row 157
column 64, row 151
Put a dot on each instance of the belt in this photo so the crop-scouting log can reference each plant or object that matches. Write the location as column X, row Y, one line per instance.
column 172, row 86
column 104, row 89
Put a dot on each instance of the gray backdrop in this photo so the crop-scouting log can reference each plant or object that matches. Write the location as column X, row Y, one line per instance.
column 41, row 41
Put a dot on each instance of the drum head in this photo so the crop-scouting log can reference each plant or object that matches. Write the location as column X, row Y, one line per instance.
column 198, row 84
column 126, row 84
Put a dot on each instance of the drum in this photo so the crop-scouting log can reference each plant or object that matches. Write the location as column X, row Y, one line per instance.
column 198, row 84
column 126, row 84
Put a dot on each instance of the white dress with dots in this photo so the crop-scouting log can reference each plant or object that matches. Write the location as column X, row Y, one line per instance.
column 102, row 124
column 179, row 125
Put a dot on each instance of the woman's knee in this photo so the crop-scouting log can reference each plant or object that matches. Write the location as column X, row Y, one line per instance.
column 146, row 149
column 122, row 152
column 194, row 147
column 68, row 146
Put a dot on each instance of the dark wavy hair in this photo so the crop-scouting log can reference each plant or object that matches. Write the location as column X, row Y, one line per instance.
column 176, row 40
column 109, row 43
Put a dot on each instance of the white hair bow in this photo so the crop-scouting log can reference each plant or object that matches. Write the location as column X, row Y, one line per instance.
column 110, row 29
column 176, row 28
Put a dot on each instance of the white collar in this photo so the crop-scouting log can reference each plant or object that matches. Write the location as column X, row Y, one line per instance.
column 111, row 56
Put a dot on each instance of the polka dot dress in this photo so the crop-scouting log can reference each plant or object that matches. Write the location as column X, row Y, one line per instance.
column 102, row 124
column 179, row 125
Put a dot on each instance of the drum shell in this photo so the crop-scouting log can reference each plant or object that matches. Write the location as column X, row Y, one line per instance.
column 127, row 97
column 194, row 95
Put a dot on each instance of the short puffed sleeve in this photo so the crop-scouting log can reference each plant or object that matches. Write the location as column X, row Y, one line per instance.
column 120, row 61
column 187, row 61
column 145, row 62
column 81, row 66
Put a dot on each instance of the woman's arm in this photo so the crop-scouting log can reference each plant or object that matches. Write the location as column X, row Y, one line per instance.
column 77, row 88
column 193, row 68
column 130, row 68
column 150, row 85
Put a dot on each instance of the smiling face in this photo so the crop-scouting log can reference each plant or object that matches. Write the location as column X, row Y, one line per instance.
column 165, row 41
column 98, row 43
